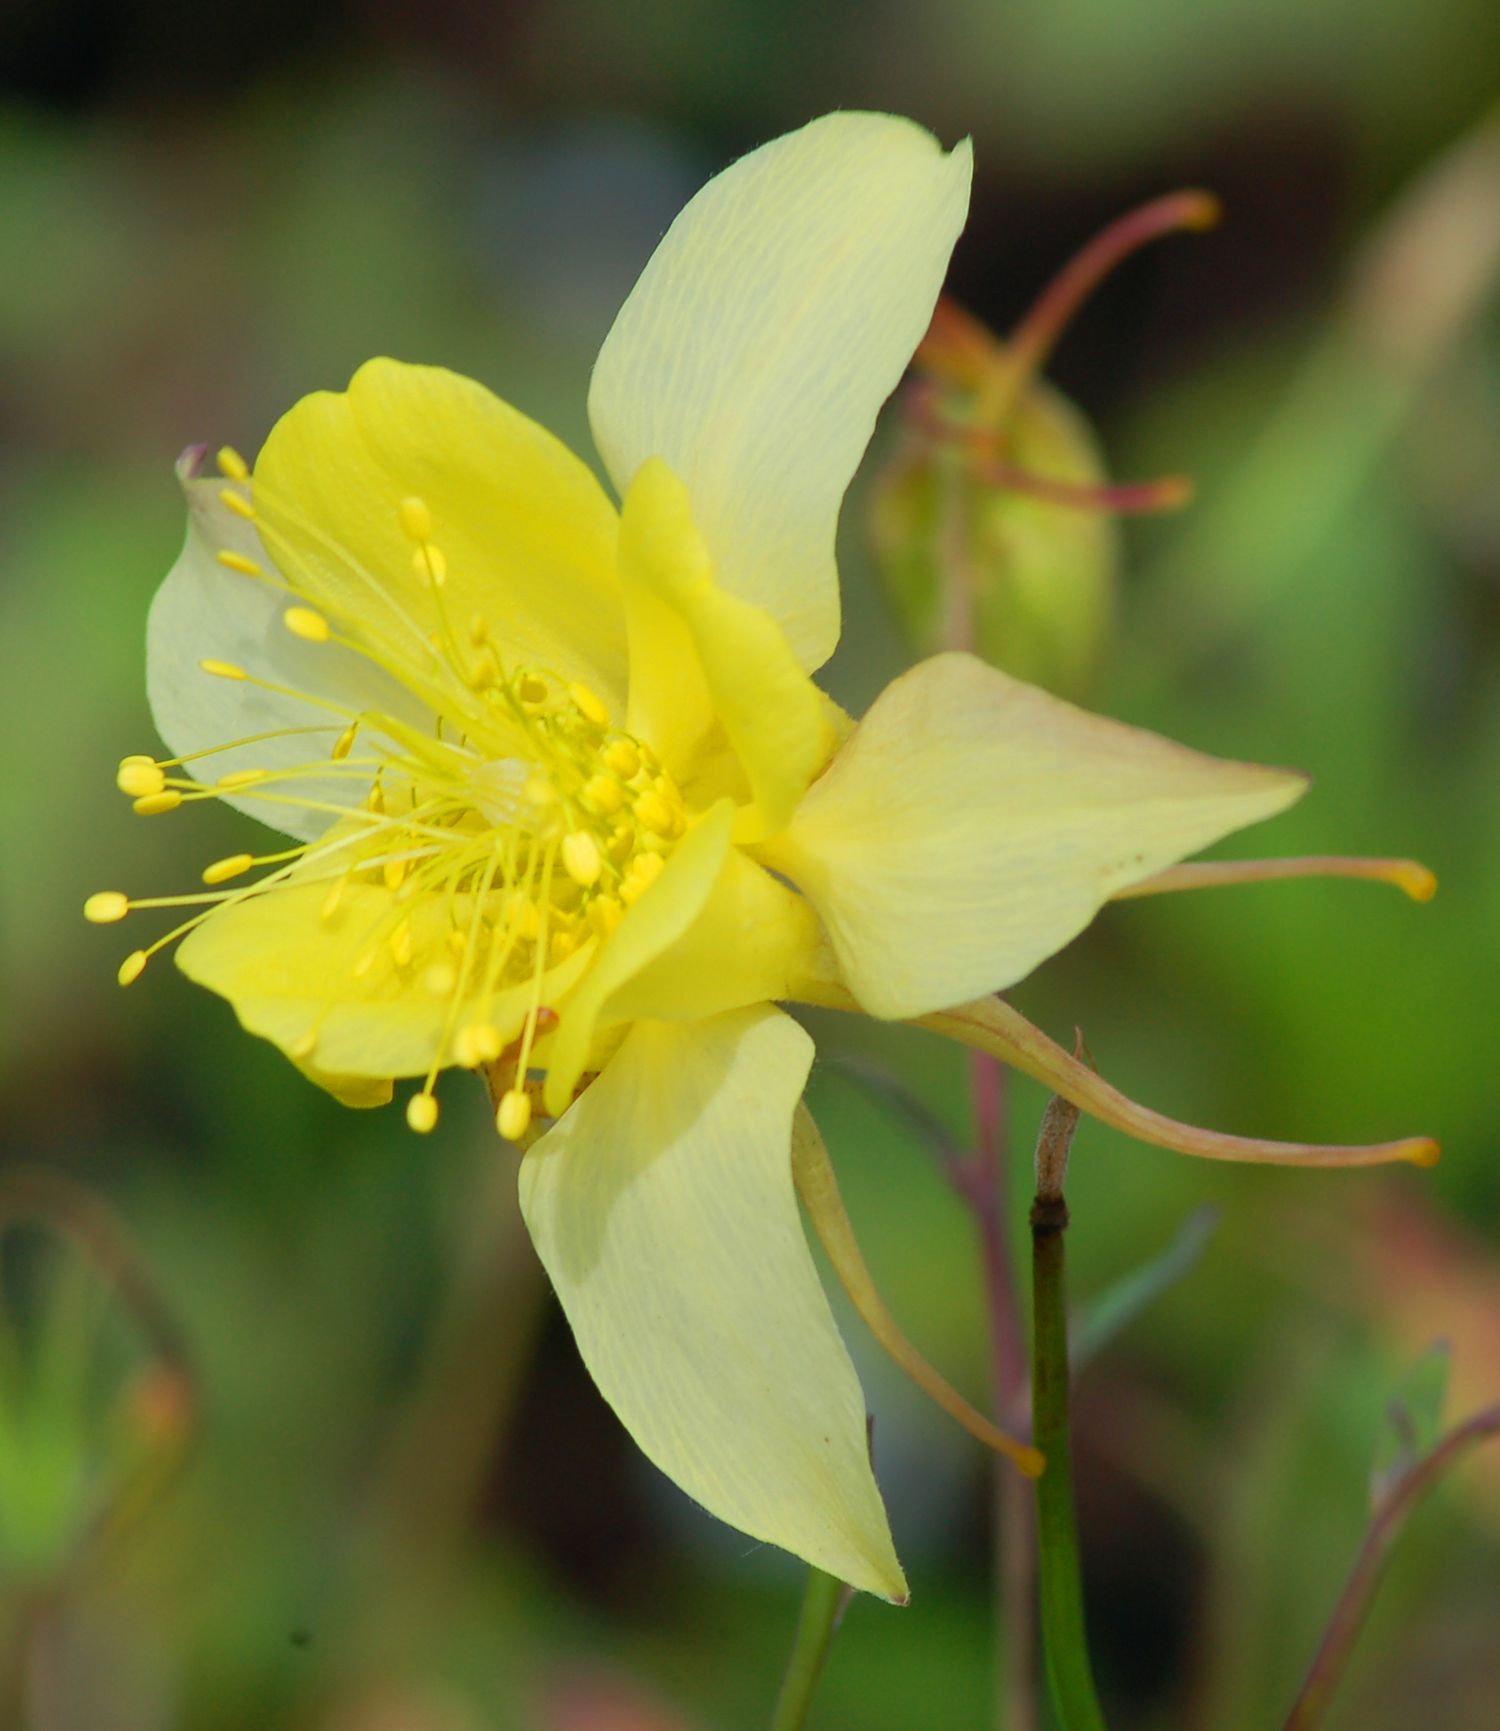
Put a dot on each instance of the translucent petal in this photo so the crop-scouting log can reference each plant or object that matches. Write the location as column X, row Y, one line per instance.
column 656, row 922
column 753, row 942
column 769, row 326
column 526, row 534
column 292, row 974
column 707, row 668
column 972, row 825
column 663, row 1208
column 202, row 611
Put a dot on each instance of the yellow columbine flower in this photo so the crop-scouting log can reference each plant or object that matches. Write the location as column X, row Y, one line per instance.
column 566, row 806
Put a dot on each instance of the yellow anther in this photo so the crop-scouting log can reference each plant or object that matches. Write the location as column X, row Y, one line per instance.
column 621, row 756
column 604, row 914
column 140, row 777
column 154, row 803
column 457, row 943
column 513, row 1116
column 539, row 790
column 105, row 908
column 223, row 669
column 621, row 843
column 304, row 1045
column 304, row 623
column 236, row 502
column 132, row 967
column 416, row 519
column 375, row 799
column 344, row 744
column 654, row 812
column 487, row 1041
column 645, row 869
column 366, row 961
column 581, row 858
column 401, row 944
column 588, row 705
column 439, row 979
column 486, row 670
column 232, row 561
column 393, row 871
column 521, row 916
column 242, row 778
column 229, row 867
column 531, row 690
column 422, row 1112
column 430, row 565
column 603, row 794
column 479, row 630
column 232, row 466
column 562, row 944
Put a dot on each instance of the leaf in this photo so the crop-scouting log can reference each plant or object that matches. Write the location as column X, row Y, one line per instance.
column 1120, row 1304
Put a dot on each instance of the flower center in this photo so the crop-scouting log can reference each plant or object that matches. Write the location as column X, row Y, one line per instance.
column 485, row 861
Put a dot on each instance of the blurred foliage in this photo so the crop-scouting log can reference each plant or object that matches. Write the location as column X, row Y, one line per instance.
column 409, row 1507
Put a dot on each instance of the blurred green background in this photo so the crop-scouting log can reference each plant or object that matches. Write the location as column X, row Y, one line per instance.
column 406, row 1509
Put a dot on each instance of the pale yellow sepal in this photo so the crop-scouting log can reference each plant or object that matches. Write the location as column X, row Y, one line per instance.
column 972, row 825
column 702, row 659
column 526, row 534
column 771, row 323
column 663, row 1208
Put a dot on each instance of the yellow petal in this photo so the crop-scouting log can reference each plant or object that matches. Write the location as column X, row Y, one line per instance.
column 204, row 611
column 992, row 1026
column 769, row 326
column 292, row 975
column 753, row 942
column 526, row 535
column 702, row 660
column 651, row 926
column 663, row 1208
column 973, row 825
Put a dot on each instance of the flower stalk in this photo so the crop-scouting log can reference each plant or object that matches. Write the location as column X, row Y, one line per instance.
column 824, row 1601
column 1064, row 1638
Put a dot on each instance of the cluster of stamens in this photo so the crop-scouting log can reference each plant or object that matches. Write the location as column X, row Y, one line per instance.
column 525, row 818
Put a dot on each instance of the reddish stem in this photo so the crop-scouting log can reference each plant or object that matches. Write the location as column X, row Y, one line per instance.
column 1332, row 1656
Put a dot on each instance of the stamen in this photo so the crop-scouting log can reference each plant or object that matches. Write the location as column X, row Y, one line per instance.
column 654, row 812
column 513, row 1116
column 232, row 866
column 105, row 907
column 233, row 561
column 304, row 623
column 581, row 858
column 416, row 519
column 430, row 565
column 242, row 778
column 588, row 705
column 232, row 465
column 153, row 803
column 236, row 502
column 603, row 794
column 132, row 967
column 344, row 744
column 140, row 777
column 422, row 1112
column 223, row 669
column 622, row 757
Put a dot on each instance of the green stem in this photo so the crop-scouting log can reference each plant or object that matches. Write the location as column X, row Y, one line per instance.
column 1063, row 1635
column 822, row 1606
